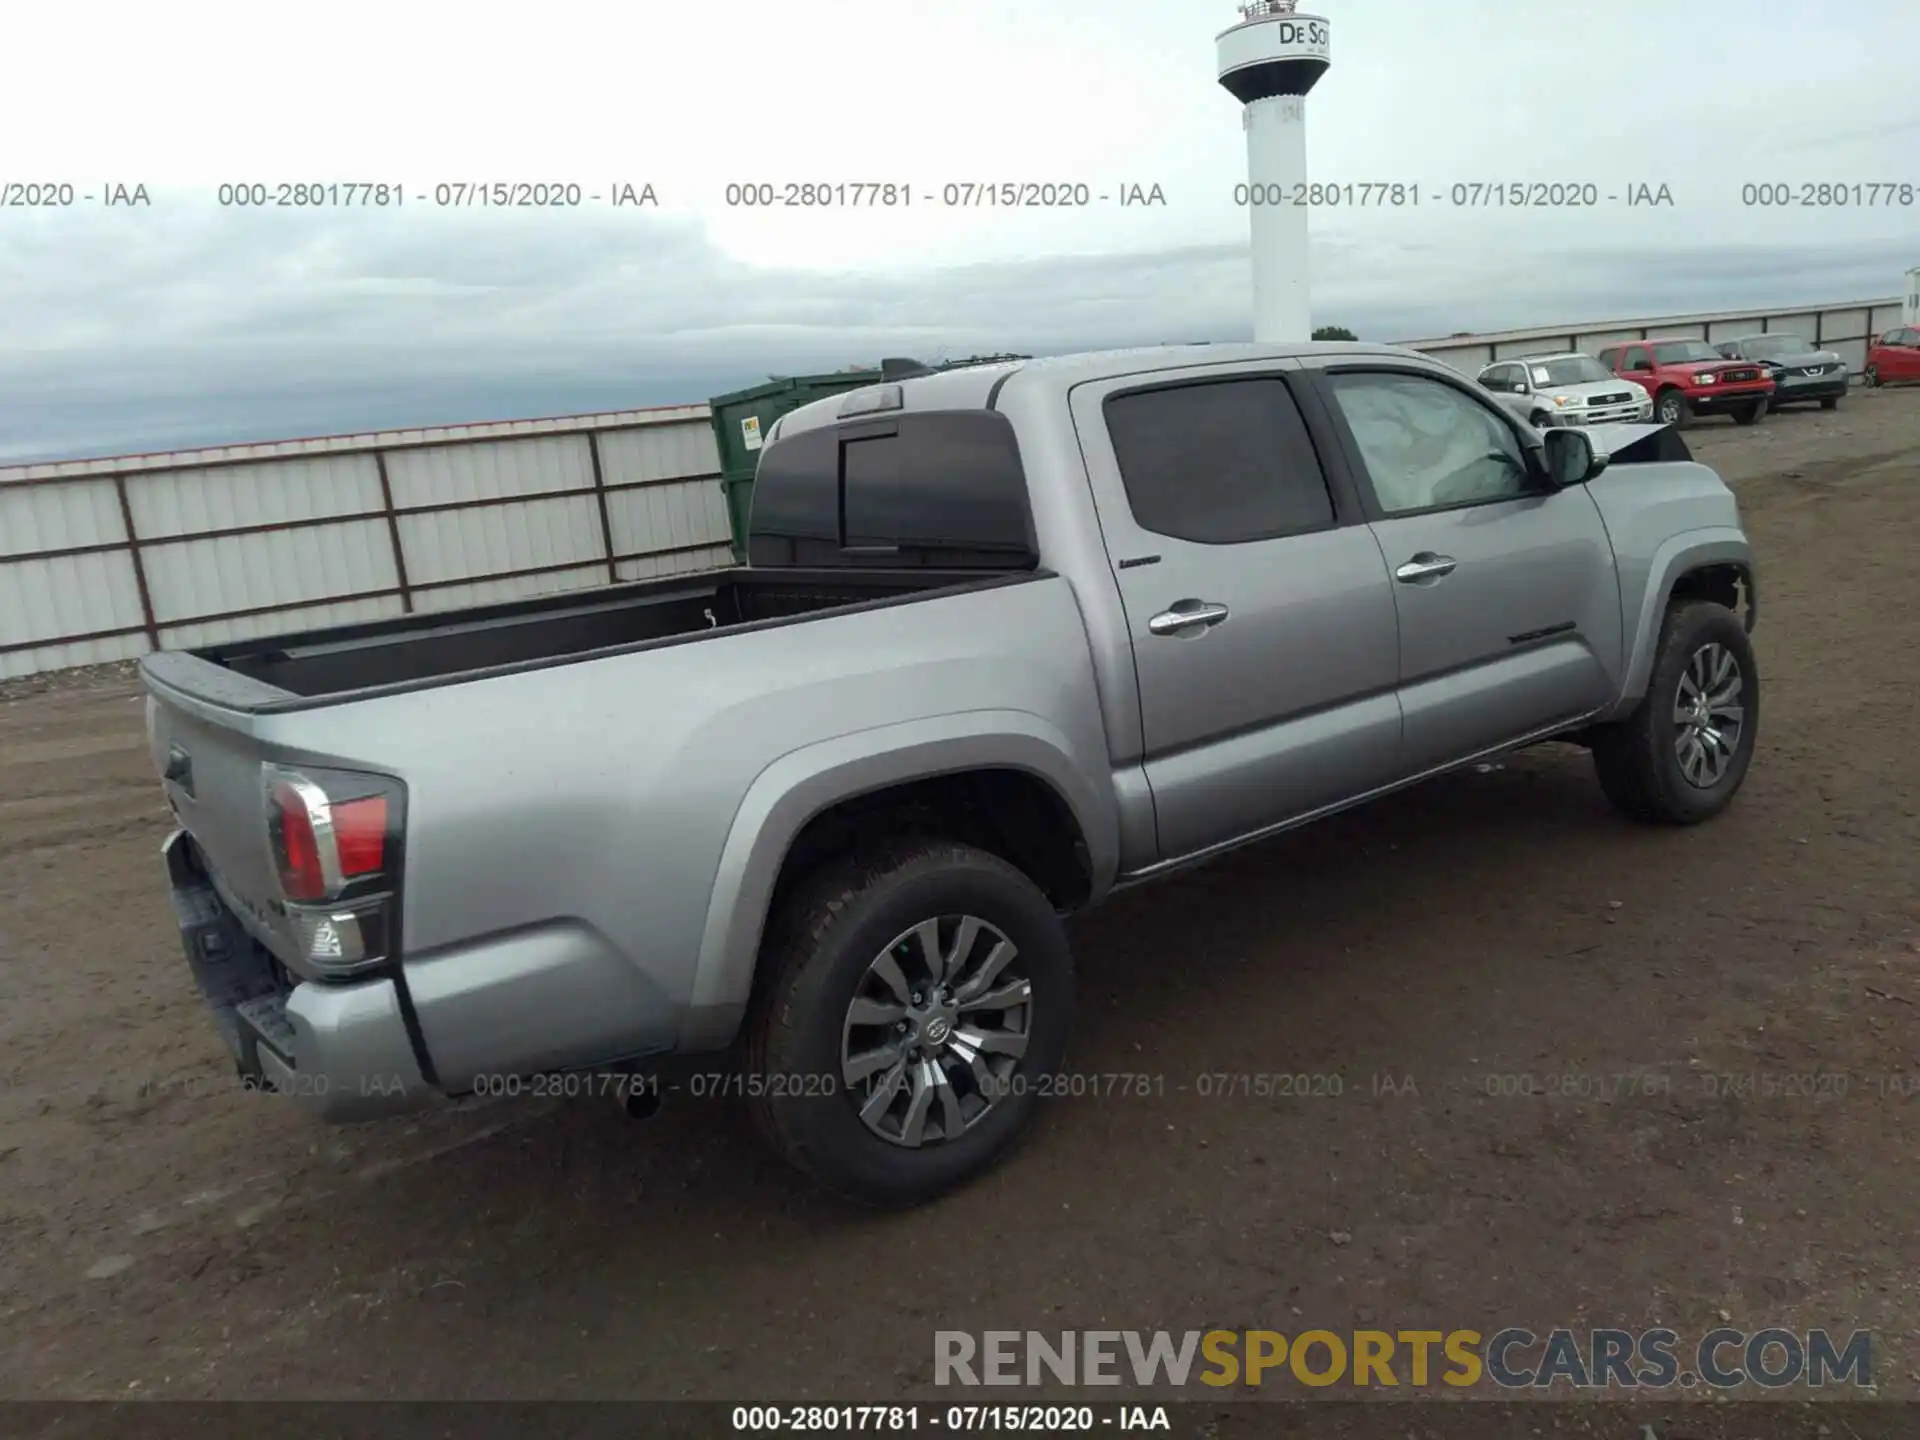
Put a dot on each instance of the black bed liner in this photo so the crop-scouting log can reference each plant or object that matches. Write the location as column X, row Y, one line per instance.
column 424, row 648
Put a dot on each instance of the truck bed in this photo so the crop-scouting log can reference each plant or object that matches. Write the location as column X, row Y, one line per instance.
column 516, row 634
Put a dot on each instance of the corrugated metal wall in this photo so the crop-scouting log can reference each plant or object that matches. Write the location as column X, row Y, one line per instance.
column 253, row 540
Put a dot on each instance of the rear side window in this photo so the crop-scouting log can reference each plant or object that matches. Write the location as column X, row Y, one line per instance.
column 936, row 488
column 1220, row 462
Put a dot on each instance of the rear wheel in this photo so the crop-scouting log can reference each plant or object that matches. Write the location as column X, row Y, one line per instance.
column 1681, row 755
column 914, row 1002
column 1671, row 409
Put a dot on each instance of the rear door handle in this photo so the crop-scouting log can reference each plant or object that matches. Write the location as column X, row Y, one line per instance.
column 1185, row 615
column 1425, row 566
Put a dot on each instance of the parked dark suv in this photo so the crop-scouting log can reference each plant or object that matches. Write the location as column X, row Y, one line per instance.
column 1801, row 372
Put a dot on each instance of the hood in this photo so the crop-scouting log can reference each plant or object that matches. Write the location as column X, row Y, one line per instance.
column 1588, row 388
column 1804, row 358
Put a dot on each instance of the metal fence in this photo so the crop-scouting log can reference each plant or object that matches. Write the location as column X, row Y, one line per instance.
column 106, row 559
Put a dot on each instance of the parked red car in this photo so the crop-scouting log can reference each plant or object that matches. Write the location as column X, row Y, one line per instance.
column 1894, row 356
column 1689, row 377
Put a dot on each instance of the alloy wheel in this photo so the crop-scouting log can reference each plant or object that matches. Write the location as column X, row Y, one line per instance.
column 1708, row 716
column 936, row 1029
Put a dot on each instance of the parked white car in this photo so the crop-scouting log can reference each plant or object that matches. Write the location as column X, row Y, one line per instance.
column 1570, row 389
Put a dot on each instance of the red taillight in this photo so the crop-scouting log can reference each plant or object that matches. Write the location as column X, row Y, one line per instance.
column 360, row 831
column 320, row 845
column 295, row 846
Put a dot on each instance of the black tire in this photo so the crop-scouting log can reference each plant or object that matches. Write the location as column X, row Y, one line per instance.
column 1750, row 414
column 1872, row 377
column 816, row 956
column 1831, row 402
column 1637, row 758
column 1672, row 399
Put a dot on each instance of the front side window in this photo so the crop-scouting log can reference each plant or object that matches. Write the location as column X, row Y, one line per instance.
column 1220, row 462
column 1425, row 445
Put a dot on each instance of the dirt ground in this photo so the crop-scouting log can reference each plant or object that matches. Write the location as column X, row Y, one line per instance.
column 164, row 1234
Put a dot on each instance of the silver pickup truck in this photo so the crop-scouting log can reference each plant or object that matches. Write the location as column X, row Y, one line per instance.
column 1010, row 638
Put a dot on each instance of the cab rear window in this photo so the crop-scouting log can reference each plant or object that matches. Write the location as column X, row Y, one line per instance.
column 935, row 488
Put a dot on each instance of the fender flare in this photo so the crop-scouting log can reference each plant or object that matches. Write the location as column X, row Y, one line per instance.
column 1691, row 550
column 804, row 783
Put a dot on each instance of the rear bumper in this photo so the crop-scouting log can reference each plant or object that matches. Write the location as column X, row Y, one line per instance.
column 543, row 1000
column 341, row 1051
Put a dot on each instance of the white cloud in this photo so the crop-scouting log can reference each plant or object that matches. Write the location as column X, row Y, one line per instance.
column 182, row 317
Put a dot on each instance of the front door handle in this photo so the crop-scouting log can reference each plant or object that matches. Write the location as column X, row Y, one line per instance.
column 1424, row 566
column 1185, row 615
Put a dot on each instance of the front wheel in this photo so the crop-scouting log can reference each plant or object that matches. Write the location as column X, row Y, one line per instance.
column 1831, row 402
column 916, row 1002
column 1872, row 377
column 1750, row 414
column 1671, row 409
column 1681, row 755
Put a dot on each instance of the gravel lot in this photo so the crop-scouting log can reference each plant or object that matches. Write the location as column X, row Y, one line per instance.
column 162, row 1233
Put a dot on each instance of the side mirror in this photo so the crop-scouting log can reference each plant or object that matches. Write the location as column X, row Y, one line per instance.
column 1570, row 457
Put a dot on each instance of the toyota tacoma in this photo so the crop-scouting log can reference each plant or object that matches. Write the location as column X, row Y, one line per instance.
column 1690, row 377
column 1011, row 638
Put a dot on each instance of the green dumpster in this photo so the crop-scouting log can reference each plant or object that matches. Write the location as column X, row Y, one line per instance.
column 742, row 419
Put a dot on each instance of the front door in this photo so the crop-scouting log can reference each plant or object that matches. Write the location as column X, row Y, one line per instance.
column 1262, row 620
column 1508, row 601
column 1903, row 359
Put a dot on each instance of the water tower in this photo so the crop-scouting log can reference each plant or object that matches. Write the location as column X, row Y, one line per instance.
column 1268, row 62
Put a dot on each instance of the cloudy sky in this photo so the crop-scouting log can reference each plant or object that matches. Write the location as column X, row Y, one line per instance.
column 183, row 322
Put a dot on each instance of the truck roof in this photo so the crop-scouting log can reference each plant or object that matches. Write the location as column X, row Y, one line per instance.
column 974, row 386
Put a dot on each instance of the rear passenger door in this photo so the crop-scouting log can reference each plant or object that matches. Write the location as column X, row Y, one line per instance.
column 1258, row 604
column 1508, row 601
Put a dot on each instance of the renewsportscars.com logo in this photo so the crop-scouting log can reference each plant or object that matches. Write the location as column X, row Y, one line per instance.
column 1512, row 1359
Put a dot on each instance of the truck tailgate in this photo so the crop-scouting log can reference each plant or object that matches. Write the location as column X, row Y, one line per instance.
column 212, row 762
